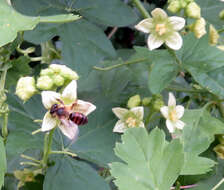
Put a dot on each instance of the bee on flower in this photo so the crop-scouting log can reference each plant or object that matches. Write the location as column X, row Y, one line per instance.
column 162, row 29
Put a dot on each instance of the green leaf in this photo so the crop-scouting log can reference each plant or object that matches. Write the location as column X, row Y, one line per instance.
column 12, row 22
column 3, row 167
column 198, row 134
column 68, row 173
column 162, row 72
column 150, row 161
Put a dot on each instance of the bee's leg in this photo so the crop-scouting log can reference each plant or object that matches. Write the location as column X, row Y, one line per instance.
column 60, row 101
column 74, row 104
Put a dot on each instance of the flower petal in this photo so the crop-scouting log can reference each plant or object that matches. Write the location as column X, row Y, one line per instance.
column 69, row 94
column 179, row 111
column 177, row 22
column 49, row 98
column 120, row 112
column 171, row 100
column 144, row 25
column 154, row 42
column 119, row 127
column 83, row 107
column 159, row 13
column 141, row 124
column 175, row 41
column 165, row 111
column 170, row 126
column 48, row 122
column 69, row 129
column 179, row 124
column 138, row 111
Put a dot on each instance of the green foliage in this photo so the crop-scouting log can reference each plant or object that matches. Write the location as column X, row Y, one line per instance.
column 3, row 167
column 150, row 161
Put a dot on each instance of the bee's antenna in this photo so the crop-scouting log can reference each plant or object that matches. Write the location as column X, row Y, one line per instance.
column 60, row 101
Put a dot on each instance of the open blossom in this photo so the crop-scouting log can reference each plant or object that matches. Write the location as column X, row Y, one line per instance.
column 162, row 29
column 173, row 113
column 128, row 118
column 70, row 103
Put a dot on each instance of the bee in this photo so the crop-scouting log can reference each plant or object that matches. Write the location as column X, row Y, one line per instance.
column 78, row 118
column 59, row 111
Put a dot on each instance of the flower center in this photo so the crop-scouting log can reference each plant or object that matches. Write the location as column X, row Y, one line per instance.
column 161, row 29
column 173, row 115
column 131, row 122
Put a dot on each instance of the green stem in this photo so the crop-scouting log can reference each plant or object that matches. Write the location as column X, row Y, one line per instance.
column 141, row 8
column 173, row 53
column 47, row 147
column 64, row 152
column 2, row 82
column 184, row 90
column 218, row 184
column 5, row 127
column 119, row 65
column 30, row 158
column 149, row 117
column 221, row 108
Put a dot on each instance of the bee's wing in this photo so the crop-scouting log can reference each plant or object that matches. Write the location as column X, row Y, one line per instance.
column 69, row 129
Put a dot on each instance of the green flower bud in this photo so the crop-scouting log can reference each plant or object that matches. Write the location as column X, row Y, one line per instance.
column 221, row 139
column 58, row 80
column 146, row 101
column 193, row 10
column 56, row 68
column 25, row 88
column 221, row 15
column 183, row 4
column 44, row 83
column 158, row 104
column 47, row 71
column 174, row 6
column 213, row 35
column 68, row 73
column 219, row 149
column 199, row 28
column 134, row 101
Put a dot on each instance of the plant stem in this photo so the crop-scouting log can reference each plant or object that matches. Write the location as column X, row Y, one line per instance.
column 119, row 65
column 64, row 152
column 30, row 158
column 173, row 53
column 47, row 147
column 141, row 8
column 218, row 184
column 184, row 90
column 5, row 127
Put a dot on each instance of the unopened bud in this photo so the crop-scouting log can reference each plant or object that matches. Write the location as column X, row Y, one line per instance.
column 219, row 149
column 146, row 101
column 221, row 139
column 199, row 28
column 134, row 101
column 221, row 47
column 213, row 35
column 25, row 88
column 47, row 71
column 221, row 15
column 174, row 6
column 58, row 80
column 158, row 104
column 68, row 73
column 193, row 10
column 56, row 68
column 44, row 83
column 183, row 4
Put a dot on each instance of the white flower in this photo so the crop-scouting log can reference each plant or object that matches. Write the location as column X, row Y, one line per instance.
column 70, row 104
column 128, row 118
column 173, row 113
column 162, row 29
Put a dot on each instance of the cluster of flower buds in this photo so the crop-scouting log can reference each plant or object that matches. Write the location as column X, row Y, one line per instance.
column 50, row 78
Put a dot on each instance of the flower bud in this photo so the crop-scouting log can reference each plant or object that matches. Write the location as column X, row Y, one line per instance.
column 68, row 73
column 146, row 101
column 56, row 68
column 199, row 28
column 221, row 139
column 219, row 149
column 134, row 101
column 25, row 88
column 213, row 35
column 193, row 10
column 221, row 15
column 158, row 103
column 174, row 6
column 183, row 4
column 47, row 71
column 221, row 47
column 58, row 80
column 44, row 83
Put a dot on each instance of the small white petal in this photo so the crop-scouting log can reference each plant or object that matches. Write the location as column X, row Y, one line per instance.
column 69, row 129
column 171, row 100
column 179, row 111
column 154, row 42
column 175, row 41
column 170, row 126
column 179, row 124
column 49, row 98
column 141, row 124
column 83, row 107
column 120, row 112
column 159, row 13
column 48, row 123
column 177, row 22
column 119, row 127
column 165, row 111
column 70, row 92
column 138, row 111
column 145, row 25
